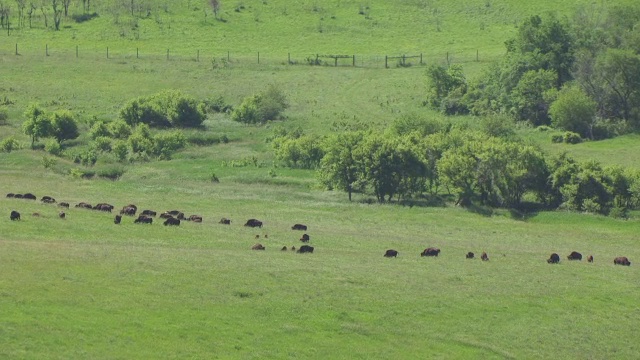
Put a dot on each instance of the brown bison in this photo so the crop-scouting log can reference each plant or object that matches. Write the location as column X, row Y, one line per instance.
column 225, row 221
column 62, row 215
column 48, row 200
column 117, row 219
column 172, row 222
column 253, row 223
column 258, row 247
column 470, row 255
column 143, row 219
column 484, row 256
column 165, row 215
column 574, row 256
column 305, row 249
column 590, row 258
column 29, row 196
column 103, row 207
column 129, row 210
column 84, row 205
column 621, row 260
column 305, row 238
column 64, row 205
column 195, row 218
column 299, row 227
column 430, row 252
column 148, row 213
column 176, row 213
column 554, row 259
column 391, row 253
column 14, row 215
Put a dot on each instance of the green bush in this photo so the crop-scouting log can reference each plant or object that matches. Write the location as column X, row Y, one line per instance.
column 169, row 108
column 557, row 138
column 99, row 129
column 65, row 126
column 260, row 108
column 571, row 138
column 52, row 146
column 165, row 144
column 119, row 129
column 9, row 144
column 4, row 115
column 619, row 213
column 120, row 150
column 203, row 139
column 112, row 172
column 102, row 143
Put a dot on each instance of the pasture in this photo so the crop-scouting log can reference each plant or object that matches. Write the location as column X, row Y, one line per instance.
column 82, row 287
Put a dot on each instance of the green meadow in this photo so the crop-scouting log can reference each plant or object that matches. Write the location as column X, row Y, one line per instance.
column 82, row 287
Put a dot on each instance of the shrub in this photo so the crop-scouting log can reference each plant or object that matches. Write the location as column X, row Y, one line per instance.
column 203, row 139
column 260, row 108
column 48, row 162
column 52, row 146
column 99, row 129
column 165, row 144
column 9, row 144
column 4, row 115
column 619, row 213
column 218, row 105
column 112, row 172
column 571, row 138
column 119, row 129
column 557, row 138
column 591, row 206
column 169, row 108
column 64, row 125
column 102, row 143
column 80, row 18
column 120, row 150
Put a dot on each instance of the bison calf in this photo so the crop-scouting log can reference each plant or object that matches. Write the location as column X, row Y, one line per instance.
column 258, row 247
column 225, row 221
column 484, row 256
column 117, row 219
column 590, row 258
column 470, row 255
column 305, row 238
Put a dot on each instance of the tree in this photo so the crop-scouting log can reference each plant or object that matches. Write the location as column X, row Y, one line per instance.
column 37, row 124
column 65, row 4
column 573, row 110
column 444, row 82
column 57, row 13
column 64, row 126
column 619, row 72
column 215, row 6
column 528, row 97
column 339, row 168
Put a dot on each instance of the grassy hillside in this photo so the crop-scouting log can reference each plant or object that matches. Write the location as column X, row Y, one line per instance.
column 83, row 287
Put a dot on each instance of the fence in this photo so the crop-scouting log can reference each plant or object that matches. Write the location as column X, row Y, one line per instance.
column 227, row 58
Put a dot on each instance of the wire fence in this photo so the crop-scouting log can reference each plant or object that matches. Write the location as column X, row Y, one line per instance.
column 221, row 59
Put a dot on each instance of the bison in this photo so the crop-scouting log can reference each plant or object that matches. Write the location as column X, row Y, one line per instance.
column 621, row 260
column 143, row 219
column 305, row 249
column 305, row 238
column 554, row 259
column 117, row 219
column 10, row 195
column 48, row 200
column 29, row 196
column 574, row 256
column 391, row 253
column 148, row 213
column 258, row 247
column 14, row 215
column 590, row 258
column 84, row 205
column 299, row 227
column 484, row 256
column 293, row 248
column 17, row 196
column 253, row 223
column 64, row 205
column 103, row 207
column 165, row 215
column 225, row 221
column 284, row 248
column 62, row 215
column 195, row 218
column 177, row 213
column 470, row 255
column 430, row 252
column 172, row 222
column 129, row 210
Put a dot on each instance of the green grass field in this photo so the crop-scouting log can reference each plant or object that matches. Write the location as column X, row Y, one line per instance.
column 83, row 287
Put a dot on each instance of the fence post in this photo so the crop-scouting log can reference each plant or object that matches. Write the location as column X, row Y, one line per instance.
column 354, row 61
column 137, row 53
column 76, row 51
column 107, row 52
column 228, row 57
column 16, row 48
column 258, row 57
column 447, row 58
column 167, row 54
column 198, row 56
column 386, row 65
column 477, row 58
column 420, row 58
column 46, row 49
column 336, row 61
column 289, row 59
column 404, row 59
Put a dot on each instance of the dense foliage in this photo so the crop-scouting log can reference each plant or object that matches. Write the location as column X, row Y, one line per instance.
column 262, row 107
column 170, row 108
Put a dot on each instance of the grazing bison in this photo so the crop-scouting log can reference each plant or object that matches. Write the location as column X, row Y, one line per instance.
column 143, row 219
column 574, row 256
column 29, row 196
column 253, row 223
column 284, row 248
column 590, row 258
column 64, row 205
column 61, row 215
column 10, row 195
column 470, row 255
column 305, row 249
column 103, row 207
column 391, row 253
column 148, row 213
column 293, row 248
column 117, row 219
column 172, row 222
column 299, row 227
column 177, row 213
column 621, row 260
column 195, row 218
column 258, row 247
column 48, row 200
column 305, row 238
column 484, row 256
column 225, row 221
column 554, row 259
column 84, row 205
column 17, row 196
column 129, row 210
column 165, row 215
column 430, row 252
column 14, row 215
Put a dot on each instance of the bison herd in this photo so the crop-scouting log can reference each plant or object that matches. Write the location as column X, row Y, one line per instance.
column 174, row 217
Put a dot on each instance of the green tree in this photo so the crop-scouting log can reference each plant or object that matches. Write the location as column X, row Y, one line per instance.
column 9, row 144
column 445, row 83
column 339, row 167
column 574, row 111
column 99, row 129
column 37, row 124
column 528, row 97
column 64, row 126
column 618, row 71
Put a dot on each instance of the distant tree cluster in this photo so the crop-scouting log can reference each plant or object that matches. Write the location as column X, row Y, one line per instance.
column 580, row 75
column 60, row 125
column 416, row 158
column 170, row 108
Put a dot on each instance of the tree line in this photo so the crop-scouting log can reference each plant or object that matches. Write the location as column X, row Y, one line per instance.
column 418, row 159
column 581, row 75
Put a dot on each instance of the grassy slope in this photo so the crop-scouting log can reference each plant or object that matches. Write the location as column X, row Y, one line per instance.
column 197, row 291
